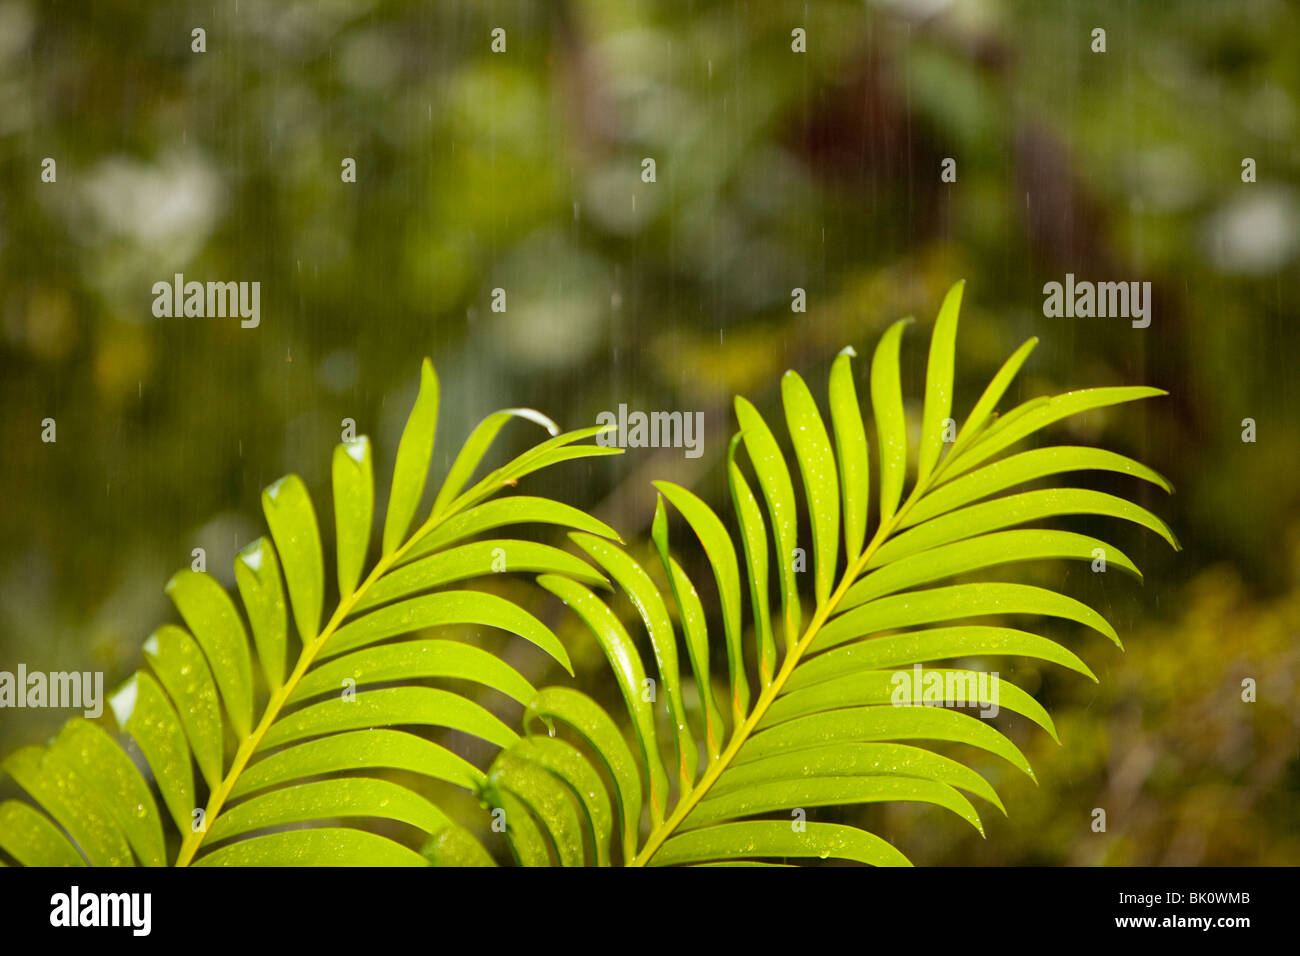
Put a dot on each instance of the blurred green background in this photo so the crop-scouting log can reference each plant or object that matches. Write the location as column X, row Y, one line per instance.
column 775, row 170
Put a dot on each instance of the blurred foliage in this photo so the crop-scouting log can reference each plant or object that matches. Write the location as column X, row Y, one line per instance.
column 775, row 170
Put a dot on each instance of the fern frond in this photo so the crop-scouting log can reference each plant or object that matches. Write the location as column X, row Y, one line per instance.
column 262, row 733
column 742, row 761
column 820, row 727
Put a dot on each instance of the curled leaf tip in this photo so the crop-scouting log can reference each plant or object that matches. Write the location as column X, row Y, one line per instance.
column 272, row 490
column 356, row 449
column 533, row 415
column 251, row 554
column 123, row 700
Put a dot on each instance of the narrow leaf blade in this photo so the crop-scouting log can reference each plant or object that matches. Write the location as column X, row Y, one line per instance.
column 292, row 520
column 891, row 422
column 938, row 382
column 851, row 452
column 414, row 452
column 820, row 479
column 354, row 507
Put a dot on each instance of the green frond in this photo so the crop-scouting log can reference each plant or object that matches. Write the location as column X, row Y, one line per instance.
column 872, row 694
column 311, row 742
column 845, row 714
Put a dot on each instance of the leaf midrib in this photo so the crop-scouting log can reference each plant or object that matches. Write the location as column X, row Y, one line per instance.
column 249, row 745
column 194, row 840
column 687, row 803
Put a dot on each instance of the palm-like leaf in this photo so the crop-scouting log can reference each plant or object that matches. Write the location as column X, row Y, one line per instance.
column 818, row 728
column 276, row 746
column 196, row 705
